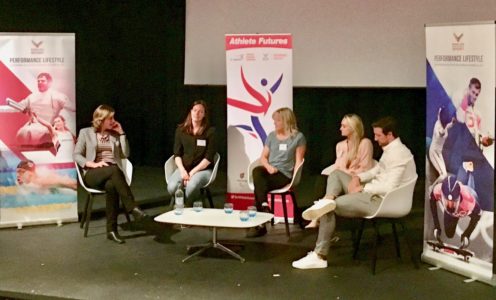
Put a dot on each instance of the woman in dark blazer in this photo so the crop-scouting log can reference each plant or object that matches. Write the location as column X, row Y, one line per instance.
column 99, row 151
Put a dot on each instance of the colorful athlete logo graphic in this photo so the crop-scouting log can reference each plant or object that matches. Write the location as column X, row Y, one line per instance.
column 261, row 108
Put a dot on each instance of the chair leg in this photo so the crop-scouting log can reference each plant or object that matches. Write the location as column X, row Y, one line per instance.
column 127, row 216
column 285, row 209
column 409, row 244
column 209, row 197
column 376, row 241
column 356, row 242
column 88, row 215
column 83, row 216
column 272, row 207
column 396, row 241
column 296, row 211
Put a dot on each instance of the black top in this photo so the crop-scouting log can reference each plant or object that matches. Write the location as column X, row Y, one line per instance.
column 194, row 148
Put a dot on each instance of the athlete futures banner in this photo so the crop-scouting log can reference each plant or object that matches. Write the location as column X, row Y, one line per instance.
column 459, row 200
column 259, row 81
column 38, row 181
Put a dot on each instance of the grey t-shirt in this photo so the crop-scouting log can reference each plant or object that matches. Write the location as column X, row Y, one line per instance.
column 282, row 154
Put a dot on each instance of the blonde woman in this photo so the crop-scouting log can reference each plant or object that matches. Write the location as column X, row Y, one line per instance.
column 99, row 151
column 284, row 149
column 353, row 154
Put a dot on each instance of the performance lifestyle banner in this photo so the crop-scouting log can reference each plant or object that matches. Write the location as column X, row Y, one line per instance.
column 259, row 81
column 459, row 199
column 38, row 182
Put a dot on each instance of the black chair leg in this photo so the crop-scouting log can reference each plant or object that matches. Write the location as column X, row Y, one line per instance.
column 356, row 242
column 409, row 244
column 376, row 241
column 285, row 209
column 209, row 197
column 83, row 216
column 272, row 207
column 88, row 216
column 396, row 241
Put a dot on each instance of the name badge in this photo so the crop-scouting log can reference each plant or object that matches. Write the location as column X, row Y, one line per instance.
column 283, row 147
column 201, row 143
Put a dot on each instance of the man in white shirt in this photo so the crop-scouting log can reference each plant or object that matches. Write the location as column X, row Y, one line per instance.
column 359, row 195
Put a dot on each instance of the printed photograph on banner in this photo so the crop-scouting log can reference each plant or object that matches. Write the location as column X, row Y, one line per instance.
column 259, row 81
column 37, row 111
column 459, row 199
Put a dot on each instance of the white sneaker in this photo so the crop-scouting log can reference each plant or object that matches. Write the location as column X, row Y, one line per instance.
column 311, row 261
column 319, row 209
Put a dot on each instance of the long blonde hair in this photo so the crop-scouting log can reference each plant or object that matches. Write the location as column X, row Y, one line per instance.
column 101, row 113
column 288, row 118
column 356, row 124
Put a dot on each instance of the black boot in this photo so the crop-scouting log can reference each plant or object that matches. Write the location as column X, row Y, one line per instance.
column 256, row 231
column 138, row 214
column 115, row 237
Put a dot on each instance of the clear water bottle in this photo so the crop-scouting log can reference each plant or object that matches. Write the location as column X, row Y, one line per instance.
column 179, row 195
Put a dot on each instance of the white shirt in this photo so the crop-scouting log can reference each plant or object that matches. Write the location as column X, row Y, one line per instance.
column 395, row 168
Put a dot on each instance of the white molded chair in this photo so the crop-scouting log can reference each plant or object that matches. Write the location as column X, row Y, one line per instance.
column 395, row 205
column 170, row 167
column 88, row 206
column 287, row 190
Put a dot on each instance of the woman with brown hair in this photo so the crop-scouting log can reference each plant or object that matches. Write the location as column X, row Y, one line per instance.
column 194, row 151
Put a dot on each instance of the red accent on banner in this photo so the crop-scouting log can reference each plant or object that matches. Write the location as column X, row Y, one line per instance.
column 241, row 201
column 259, row 41
column 11, row 86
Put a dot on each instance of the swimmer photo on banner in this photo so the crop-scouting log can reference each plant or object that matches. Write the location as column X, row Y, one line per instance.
column 38, row 183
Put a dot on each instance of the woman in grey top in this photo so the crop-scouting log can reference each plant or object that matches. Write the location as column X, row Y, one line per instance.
column 283, row 150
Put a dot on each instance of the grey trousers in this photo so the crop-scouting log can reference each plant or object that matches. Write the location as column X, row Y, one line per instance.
column 347, row 205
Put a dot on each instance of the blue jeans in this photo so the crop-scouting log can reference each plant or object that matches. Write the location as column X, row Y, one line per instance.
column 192, row 190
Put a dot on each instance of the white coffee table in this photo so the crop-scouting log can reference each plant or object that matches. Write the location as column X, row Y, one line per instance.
column 213, row 218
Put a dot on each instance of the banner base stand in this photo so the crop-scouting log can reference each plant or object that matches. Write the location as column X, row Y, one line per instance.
column 430, row 258
column 58, row 222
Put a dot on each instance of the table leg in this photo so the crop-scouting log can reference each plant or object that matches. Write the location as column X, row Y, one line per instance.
column 213, row 244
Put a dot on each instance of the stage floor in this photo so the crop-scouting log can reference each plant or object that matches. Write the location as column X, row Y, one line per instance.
column 50, row 261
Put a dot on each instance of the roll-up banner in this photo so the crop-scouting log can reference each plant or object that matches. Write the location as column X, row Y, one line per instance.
column 38, row 183
column 460, row 125
column 259, row 81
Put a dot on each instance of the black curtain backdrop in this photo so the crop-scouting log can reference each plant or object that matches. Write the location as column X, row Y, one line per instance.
column 130, row 55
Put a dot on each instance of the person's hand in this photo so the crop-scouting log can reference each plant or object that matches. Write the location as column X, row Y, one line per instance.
column 465, row 241
column 271, row 169
column 185, row 175
column 487, row 141
column 117, row 127
column 437, row 235
column 93, row 165
column 354, row 185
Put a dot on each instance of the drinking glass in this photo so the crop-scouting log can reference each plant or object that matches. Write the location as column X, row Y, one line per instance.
column 178, row 209
column 252, row 211
column 228, row 208
column 243, row 215
column 197, row 206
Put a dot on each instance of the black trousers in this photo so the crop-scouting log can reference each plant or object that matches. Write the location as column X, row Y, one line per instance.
column 265, row 182
column 112, row 180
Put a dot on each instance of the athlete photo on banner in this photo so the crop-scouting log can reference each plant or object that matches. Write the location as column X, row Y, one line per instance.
column 38, row 182
column 259, row 81
column 459, row 187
